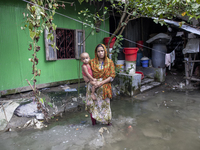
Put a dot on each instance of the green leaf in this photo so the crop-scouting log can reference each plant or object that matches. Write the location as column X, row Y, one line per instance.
column 48, row 36
column 134, row 13
column 41, row 101
column 32, row 34
column 54, row 26
column 53, row 12
column 149, row 9
column 50, row 104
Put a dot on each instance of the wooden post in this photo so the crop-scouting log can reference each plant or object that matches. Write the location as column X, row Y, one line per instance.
column 186, row 72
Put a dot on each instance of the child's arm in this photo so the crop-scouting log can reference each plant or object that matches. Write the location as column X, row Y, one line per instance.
column 86, row 79
column 85, row 69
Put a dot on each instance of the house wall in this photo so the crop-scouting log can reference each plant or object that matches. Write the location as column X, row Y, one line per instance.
column 14, row 42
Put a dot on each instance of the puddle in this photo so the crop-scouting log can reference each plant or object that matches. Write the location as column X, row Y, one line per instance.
column 168, row 121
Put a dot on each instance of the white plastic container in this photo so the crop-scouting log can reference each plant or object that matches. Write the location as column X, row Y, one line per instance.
column 132, row 66
column 120, row 64
column 110, row 55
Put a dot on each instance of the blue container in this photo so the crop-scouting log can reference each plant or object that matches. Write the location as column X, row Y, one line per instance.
column 145, row 63
column 139, row 56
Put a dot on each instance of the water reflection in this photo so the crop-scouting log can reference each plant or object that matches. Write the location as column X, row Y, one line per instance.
column 168, row 121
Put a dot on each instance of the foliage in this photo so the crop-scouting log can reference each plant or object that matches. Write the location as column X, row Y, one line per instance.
column 39, row 16
column 160, row 9
column 92, row 20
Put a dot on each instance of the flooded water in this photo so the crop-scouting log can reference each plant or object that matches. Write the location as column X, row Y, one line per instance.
column 168, row 121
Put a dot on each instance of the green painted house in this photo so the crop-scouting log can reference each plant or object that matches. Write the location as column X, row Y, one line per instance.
column 56, row 67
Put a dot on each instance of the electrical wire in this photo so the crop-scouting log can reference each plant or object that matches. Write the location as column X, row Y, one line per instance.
column 95, row 27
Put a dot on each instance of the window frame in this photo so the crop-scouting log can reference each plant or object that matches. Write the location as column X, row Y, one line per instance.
column 77, row 51
column 53, row 51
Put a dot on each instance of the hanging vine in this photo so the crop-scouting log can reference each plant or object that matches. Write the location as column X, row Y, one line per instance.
column 39, row 16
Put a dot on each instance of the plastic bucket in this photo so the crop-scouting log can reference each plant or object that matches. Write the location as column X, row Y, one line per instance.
column 142, row 75
column 145, row 63
column 130, row 53
column 140, row 44
column 106, row 39
column 120, row 65
column 129, row 67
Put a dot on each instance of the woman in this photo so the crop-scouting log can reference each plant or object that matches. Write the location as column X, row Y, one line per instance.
column 104, row 71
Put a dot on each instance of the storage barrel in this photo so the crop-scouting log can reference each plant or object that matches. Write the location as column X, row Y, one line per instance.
column 158, row 55
column 130, row 53
column 129, row 65
column 120, row 65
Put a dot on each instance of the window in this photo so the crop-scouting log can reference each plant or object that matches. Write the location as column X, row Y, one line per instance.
column 69, row 42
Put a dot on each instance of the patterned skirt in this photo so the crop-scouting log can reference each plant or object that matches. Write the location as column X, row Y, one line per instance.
column 99, row 108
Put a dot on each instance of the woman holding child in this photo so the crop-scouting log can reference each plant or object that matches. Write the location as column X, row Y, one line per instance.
column 103, row 70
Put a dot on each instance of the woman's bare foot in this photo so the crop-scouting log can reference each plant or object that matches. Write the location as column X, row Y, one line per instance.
column 93, row 96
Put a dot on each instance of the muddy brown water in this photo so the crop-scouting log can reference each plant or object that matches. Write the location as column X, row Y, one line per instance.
column 168, row 121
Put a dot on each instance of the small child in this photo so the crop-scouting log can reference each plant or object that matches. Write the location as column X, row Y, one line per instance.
column 87, row 72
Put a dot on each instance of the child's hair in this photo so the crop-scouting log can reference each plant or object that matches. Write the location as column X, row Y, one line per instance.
column 83, row 54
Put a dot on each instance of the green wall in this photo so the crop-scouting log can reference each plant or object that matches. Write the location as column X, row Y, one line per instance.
column 14, row 42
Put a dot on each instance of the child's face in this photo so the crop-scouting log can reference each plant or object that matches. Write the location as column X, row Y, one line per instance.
column 85, row 58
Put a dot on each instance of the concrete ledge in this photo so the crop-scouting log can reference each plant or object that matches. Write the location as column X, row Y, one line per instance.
column 158, row 74
column 129, row 84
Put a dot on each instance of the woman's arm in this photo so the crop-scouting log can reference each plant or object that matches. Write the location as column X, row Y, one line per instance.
column 100, row 83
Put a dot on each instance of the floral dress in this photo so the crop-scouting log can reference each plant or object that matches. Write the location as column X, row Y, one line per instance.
column 99, row 108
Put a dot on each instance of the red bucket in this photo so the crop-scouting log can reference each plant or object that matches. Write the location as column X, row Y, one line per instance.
column 130, row 53
column 142, row 75
column 106, row 39
column 140, row 44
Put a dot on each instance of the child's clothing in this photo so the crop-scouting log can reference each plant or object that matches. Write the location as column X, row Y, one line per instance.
column 89, row 71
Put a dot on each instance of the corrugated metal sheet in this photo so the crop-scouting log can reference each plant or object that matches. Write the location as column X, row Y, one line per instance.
column 184, row 27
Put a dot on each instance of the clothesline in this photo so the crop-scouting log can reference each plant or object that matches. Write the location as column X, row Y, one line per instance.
column 97, row 28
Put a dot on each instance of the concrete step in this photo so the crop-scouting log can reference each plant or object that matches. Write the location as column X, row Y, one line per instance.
column 146, row 80
column 149, row 85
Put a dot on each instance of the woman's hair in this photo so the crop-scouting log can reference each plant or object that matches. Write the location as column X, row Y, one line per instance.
column 99, row 45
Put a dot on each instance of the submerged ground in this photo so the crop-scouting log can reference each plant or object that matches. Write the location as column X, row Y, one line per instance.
column 164, row 118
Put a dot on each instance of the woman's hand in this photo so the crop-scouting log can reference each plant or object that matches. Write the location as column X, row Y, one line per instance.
column 98, row 84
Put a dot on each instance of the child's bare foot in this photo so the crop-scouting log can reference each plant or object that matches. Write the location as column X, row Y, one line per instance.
column 93, row 96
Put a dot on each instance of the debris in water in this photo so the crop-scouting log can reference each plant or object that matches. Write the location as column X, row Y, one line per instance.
column 101, row 130
column 34, row 123
column 70, row 90
column 83, row 122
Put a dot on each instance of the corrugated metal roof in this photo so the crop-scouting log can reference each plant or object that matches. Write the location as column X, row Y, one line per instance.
column 184, row 27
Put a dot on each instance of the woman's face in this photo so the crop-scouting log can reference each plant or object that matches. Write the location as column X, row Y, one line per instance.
column 100, row 52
